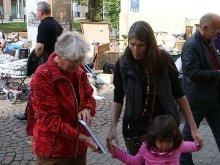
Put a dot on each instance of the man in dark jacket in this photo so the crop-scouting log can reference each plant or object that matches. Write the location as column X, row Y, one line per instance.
column 201, row 79
column 48, row 31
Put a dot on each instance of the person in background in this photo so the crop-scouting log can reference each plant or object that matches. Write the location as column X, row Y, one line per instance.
column 2, row 40
column 147, row 77
column 163, row 145
column 178, row 64
column 201, row 79
column 61, row 95
column 48, row 31
column 217, row 43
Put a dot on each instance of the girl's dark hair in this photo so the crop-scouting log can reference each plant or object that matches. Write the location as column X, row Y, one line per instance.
column 165, row 127
column 156, row 60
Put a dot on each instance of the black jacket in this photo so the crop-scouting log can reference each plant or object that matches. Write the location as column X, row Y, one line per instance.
column 133, row 91
column 199, row 79
column 33, row 62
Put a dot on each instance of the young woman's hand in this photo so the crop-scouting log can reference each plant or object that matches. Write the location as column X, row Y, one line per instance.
column 197, row 138
column 112, row 135
column 91, row 144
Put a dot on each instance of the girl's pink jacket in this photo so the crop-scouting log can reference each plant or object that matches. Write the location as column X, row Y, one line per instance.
column 54, row 100
column 144, row 155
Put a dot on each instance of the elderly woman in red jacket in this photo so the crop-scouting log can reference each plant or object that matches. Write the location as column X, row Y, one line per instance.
column 61, row 94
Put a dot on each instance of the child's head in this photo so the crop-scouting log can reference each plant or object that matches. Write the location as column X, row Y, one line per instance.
column 164, row 133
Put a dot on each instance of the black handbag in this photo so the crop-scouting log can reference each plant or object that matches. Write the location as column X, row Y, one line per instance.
column 135, row 135
column 134, row 144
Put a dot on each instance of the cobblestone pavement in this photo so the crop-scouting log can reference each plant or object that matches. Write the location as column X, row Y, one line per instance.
column 16, row 146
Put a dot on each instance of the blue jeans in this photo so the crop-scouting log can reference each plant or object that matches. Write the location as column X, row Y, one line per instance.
column 212, row 116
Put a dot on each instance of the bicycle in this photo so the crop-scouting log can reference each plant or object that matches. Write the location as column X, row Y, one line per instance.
column 93, row 78
column 124, row 43
column 116, row 44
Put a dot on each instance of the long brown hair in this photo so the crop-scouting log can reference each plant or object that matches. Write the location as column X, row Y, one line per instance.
column 143, row 32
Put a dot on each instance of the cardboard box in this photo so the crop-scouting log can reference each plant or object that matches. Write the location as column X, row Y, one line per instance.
column 27, row 44
column 23, row 34
column 179, row 44
column 98, row 32
column 12, row 36
column 108, row 78
column 102, row 48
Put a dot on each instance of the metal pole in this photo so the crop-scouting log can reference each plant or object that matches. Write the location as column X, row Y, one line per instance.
column 90, row 71
column 18, row 7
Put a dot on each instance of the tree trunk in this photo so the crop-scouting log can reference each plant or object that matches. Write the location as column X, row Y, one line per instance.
column 93, row 8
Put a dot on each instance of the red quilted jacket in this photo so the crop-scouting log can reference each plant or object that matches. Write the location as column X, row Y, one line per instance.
column 54, row 100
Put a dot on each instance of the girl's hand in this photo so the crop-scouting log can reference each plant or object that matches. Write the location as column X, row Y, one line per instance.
column 112, row 151
column 85, row 115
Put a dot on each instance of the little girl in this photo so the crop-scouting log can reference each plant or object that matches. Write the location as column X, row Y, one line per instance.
column 163, row 145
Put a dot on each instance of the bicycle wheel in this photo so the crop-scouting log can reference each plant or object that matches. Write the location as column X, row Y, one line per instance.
column 108, row 68
column 11, row 96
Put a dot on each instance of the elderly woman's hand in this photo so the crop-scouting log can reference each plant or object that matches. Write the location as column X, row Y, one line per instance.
column 85, row 115
column 88, row 140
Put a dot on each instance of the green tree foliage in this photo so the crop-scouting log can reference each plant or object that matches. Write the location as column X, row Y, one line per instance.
column 81, row 2
column 95, row 9
column 112, row 12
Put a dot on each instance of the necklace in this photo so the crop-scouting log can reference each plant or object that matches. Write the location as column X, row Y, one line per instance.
column 147, row 93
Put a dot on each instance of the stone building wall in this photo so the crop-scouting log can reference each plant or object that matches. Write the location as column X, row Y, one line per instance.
column 170, row 16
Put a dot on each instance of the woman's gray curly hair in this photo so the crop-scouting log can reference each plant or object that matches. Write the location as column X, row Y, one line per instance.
column 71, row 46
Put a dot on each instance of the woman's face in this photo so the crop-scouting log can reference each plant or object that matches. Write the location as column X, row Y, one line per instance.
column 68, row 65
column 138, row 48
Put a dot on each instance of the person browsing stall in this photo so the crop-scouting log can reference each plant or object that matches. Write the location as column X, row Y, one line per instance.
column 61, row 95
